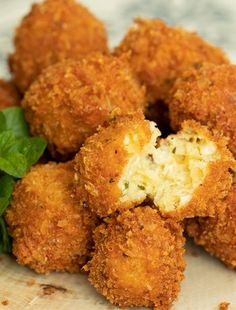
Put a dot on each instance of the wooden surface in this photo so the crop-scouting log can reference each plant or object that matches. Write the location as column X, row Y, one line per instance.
column 207, row 283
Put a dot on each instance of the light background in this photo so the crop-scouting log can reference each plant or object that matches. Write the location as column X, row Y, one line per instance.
column 207, row 281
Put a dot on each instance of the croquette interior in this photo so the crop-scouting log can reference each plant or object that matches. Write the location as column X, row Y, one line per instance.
column 169, row 173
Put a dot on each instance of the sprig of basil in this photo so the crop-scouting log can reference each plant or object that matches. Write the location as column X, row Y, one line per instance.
column 18, row 152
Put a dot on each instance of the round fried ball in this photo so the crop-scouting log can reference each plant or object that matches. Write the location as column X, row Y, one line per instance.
column 71, row 99
column 51, row 231
column 208, row 96
column 160, row 53
column 101, row 161
column 8, row 95
column 217, row 235
column 53, row 31
column 138, row 259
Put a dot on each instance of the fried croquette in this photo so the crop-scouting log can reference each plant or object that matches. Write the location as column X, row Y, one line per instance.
column 51, row 231
column 53, row 31
column 138, row 259
column 8, row 95
column 217, row 235
column 71, row 99
column 160, row 53
column 207, row 95
column 125, row 163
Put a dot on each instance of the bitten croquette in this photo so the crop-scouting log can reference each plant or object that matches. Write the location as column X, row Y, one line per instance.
column 138, row 259
column 217, row 235
column 185, row 175
column 159, row 54
column 8, row 95
column 53, row 31
column 71, row 99
column 51, row 231
column 207, row 95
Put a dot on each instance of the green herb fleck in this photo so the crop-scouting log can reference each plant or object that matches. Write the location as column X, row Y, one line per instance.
column 141, row 187
column 126, row 185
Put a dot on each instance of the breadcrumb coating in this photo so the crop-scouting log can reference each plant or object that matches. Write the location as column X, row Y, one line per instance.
column 160, row 53
column 51, row 231
column 71, row 99
column 138, row 259
column 53, row 31
column 8, row 95
column 217, row 235
column 185, row 175
column 207, row 95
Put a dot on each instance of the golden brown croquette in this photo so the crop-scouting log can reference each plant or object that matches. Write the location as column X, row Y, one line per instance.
column 138, row 259
column 8, row 95
column 160, row 53
column 207, row 95
column 71, row 99
column 51, row 231
column 217, row 235
column 126, row 162
column 51, row 32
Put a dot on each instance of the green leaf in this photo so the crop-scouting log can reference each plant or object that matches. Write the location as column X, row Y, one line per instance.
column 14, row 164
column 3, row 124
column 7, row 139
column 4, row 202
column 15, row 121
column 5, row 240
column 31, row 148
column 6, row 186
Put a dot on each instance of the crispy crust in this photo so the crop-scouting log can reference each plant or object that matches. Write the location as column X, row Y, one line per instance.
column 8, row 95
column 208, row 96
column 217, row 183
column 71, row 99
column 160, row 53
column 100, row 163
column 218, row 235
column 138, row 259
column 50, row 229
column 53, row 31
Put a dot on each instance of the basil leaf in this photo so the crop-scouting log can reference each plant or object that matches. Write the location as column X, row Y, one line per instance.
column 6, row 186
column 14, row 164
column 7, row 139
column 3, row 124
column 4, row 202
column 15, row 121
column 31, row 148
column 5, row 240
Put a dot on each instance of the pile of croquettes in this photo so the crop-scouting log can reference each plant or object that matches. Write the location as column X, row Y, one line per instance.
column 141, row 149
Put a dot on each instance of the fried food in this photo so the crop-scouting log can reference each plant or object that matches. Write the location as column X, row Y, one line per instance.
column 53, row 31
column 71, row 99
column 8, row 95
column 121, row 165
column 218, row 235
column 51, row 231
column 160, row 53
column 207, row 95
column 138, row 259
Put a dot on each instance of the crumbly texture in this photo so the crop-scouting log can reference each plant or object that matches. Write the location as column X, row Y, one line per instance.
column 51, row 231
column 8, row 95
column 53, row 31
column 138, row 259
column 160, row 53
column 185, row 175
column 207, row 95
column 217, row 235
column 71, row 99
column 101, row 160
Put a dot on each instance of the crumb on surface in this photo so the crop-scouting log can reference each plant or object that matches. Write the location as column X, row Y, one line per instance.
column 49, row 289
column 30, row 282
column 224, row 305
column 5, row 302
